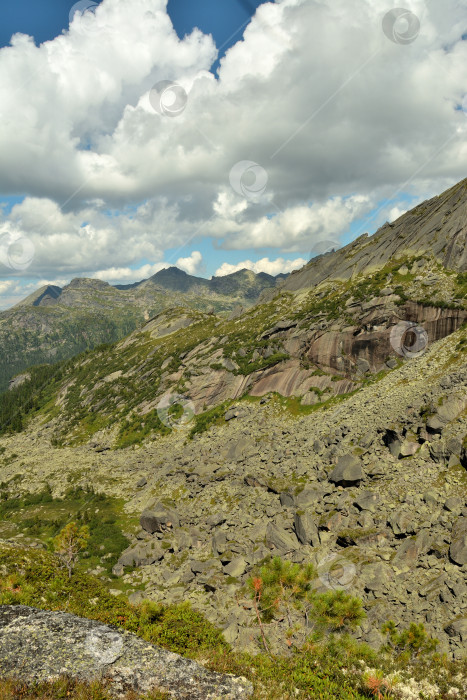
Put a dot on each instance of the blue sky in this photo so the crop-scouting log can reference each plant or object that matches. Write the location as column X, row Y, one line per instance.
column 297, row 128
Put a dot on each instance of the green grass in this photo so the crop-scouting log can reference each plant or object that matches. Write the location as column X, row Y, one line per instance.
column 42, row 517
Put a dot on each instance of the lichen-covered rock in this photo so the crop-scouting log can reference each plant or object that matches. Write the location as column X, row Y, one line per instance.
column 347, row 471
column 37, row 645
column 458, row 549
column 159, row 519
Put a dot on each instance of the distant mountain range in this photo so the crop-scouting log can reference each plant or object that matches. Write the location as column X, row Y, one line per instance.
column 55, row 323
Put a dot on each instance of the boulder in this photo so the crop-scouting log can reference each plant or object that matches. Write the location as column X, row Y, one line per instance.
column 236, row 567
column 408, row 448
column 36, row 645
column 306, row 529
column 348, row 471
column 457, row 628
column 402, row 522
column 141, row 555
column 308, row 497
column 159, row 519
column 286, row 500
column 451, row 408
column 363, row 365
column 458, row 548
column 279, row 538
column 454, row 504
column 368, row 500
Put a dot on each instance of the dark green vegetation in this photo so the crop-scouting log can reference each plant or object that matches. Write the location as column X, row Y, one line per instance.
column 65, row 334
column 319, row 669
column 41, row 517
column 29, row 396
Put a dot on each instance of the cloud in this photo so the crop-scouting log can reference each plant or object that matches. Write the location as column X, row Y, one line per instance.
column 271, row 267
column 127, row 275
column 5, row 286
column 337, row 115
column 193, row 264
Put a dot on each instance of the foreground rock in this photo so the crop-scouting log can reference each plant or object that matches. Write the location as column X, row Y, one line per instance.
column 37, row 645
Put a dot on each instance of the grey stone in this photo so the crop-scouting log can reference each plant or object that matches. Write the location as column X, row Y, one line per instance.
column 458, row 548
column 286, row 500
column 308, row 497
column 236, row 567
column 368, row 500
column 457, row 628
column 363, row 365
column 142, row 482
column 454, row 504
column 306, row 529
column 219, row 543
column 348, row 471
column 280, row 539
column 402, row 522
column 141, row 555
column 35, row 646
column 158, row 519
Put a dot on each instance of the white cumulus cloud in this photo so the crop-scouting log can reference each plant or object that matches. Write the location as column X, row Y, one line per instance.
column 271, row 267
column 338, row 116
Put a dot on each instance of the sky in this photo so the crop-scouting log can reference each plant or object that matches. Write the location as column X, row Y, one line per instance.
column 218, row 135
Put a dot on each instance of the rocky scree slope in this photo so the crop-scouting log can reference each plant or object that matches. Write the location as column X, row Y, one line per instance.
column 53, row 324
column 372, row 489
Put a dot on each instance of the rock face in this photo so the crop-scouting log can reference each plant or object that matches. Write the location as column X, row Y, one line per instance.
column 36, row 645
column 437, row 225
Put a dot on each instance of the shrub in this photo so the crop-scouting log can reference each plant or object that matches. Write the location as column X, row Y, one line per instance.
column 69, row 543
